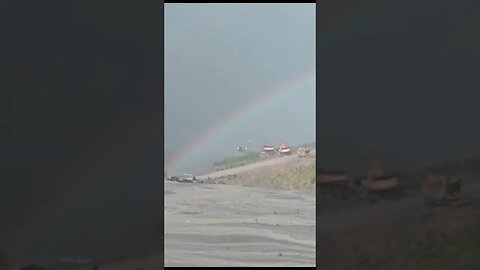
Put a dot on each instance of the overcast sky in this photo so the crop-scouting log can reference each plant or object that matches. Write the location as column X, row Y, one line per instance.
column 220, row 58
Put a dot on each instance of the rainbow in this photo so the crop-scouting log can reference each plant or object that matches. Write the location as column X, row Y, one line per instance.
column 233, row 118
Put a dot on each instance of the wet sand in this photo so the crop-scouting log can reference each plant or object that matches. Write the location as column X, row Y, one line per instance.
column 219, row 225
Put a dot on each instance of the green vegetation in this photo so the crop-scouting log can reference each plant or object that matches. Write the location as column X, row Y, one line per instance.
column 298, row 177
column 231, row 162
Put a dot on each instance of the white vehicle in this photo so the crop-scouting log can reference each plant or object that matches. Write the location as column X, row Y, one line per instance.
column 268, row 149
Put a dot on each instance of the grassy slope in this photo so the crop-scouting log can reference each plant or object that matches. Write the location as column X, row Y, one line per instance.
column 297, row 177
column 299, row 174
column 231, row 162
column 248, row 157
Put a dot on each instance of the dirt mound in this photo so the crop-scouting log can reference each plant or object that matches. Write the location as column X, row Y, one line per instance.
column 298, row 174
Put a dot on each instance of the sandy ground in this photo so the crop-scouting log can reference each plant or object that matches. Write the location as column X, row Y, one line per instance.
column 231, row 225
column 221, row 225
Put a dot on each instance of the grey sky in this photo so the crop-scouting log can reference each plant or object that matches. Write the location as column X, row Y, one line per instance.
column 220, row 57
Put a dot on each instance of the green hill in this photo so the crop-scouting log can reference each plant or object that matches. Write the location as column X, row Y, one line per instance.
column 231, row 162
